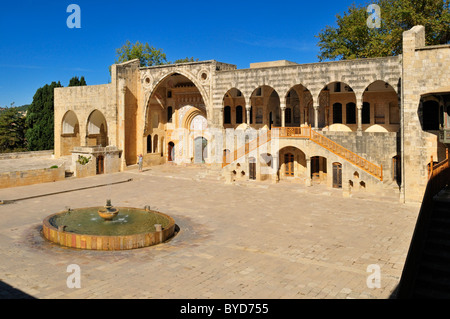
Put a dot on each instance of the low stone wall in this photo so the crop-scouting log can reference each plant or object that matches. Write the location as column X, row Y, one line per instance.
column 4, row 156
column 31, row 177
column 86, row 170
column 152, row 159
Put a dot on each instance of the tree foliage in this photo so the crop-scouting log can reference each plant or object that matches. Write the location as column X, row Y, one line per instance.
column 147, row 55
column 352, row 38
column 75, row 81
column 12, row 131
column 39, row 120
column 185, row 60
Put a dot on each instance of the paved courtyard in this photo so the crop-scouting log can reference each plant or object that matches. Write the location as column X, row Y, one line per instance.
column 250, row 240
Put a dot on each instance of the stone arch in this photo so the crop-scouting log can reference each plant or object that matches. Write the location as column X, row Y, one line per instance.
column 291, row 162
column 70, row 133
column 266, row 103
column 96, row 129
column 189, row 76
column 381, row 101
column 336, row 96
column 190, row 116
column 301, row 102
column 231, row 100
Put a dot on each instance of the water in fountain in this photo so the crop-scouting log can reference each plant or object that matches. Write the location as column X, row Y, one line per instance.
column 129, row 221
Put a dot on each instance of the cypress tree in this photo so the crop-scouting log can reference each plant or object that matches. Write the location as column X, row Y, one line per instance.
column 40, row 119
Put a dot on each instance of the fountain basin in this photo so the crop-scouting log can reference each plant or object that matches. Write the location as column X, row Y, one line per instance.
column 132, row 228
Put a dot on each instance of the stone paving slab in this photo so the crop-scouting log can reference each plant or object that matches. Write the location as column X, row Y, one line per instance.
column 278, row 241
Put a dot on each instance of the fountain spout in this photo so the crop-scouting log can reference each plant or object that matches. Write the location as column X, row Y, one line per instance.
column 108, row 212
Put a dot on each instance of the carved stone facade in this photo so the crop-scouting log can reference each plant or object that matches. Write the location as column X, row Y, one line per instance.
column 369, row 106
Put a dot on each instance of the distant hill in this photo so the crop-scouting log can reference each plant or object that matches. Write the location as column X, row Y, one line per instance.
column 22, row 108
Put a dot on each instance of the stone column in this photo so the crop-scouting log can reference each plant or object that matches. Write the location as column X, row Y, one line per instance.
column 248, row 115
column 121, row 121
column 316, row 117
column 360, row 107
column 308, row 172
column 276, row 164
column 283, row 117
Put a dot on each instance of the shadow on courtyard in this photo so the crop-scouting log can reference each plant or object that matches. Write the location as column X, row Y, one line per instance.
column 9, row 292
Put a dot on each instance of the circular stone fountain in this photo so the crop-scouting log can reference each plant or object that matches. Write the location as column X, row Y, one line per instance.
column 108, row 228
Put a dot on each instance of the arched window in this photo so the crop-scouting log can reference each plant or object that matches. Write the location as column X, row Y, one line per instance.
column 169, row 114
column 155, row 143
column 337, row 113
column 288, row 115
column 227, row 115
column 149, row 144
column 239, row 116
column 351, row 113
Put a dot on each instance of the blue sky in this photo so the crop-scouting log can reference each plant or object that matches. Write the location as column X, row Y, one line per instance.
column 37, row 47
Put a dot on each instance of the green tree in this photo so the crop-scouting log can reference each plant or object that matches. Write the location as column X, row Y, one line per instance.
column 12, row 131
column 147, row 55
column 352, row 38
column 185, row 60
column 39, row 119
column 75, row 81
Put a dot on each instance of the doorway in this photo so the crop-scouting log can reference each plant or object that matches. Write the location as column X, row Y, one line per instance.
column 289, row 164
column 171, row 152
column 337, row 175
column 252, row 168
column 200, row 150
column 100, row 164
column 318, row 169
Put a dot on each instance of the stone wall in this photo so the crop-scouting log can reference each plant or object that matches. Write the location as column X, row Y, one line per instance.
column 378, row 148
column 83, row 100
column 26, row 154
column 425, row 69
column 358, row 74
column 31, row 177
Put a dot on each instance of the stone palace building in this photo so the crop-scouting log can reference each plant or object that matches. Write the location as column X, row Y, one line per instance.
column 361, row 125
